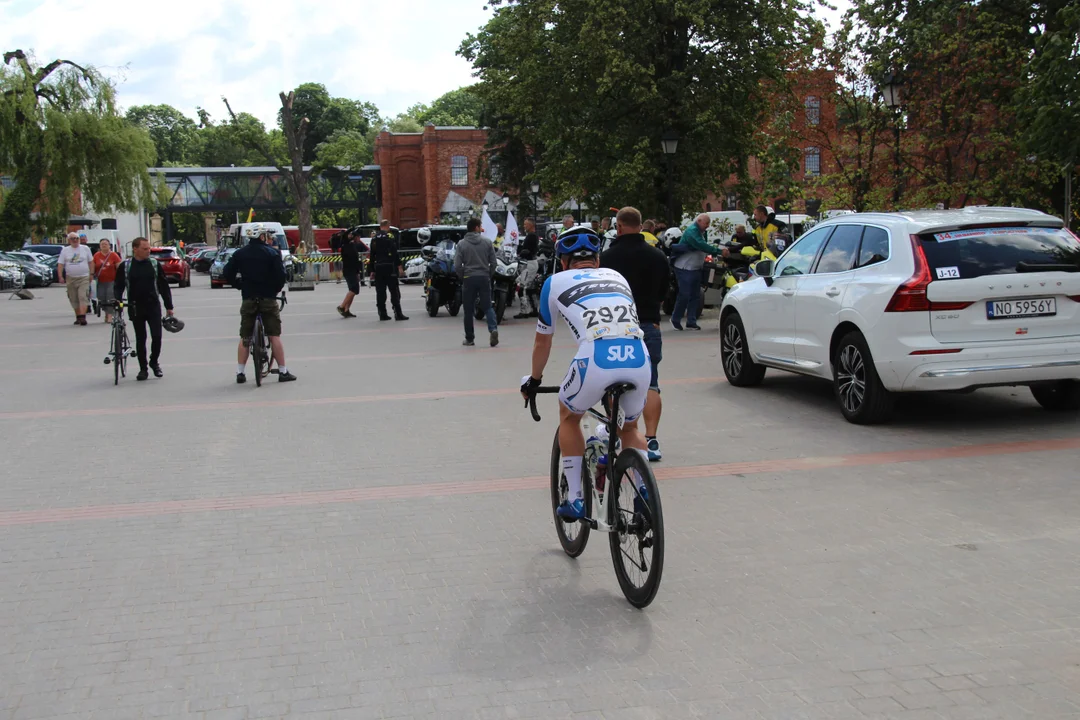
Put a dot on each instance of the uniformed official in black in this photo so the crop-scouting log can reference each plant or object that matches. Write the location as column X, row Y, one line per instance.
column 385, row 268
column 144, row 280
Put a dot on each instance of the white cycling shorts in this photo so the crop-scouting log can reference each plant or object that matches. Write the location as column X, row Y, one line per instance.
column 602, row 363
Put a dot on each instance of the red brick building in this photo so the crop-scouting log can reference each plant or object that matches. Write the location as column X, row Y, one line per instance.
column 430, row 174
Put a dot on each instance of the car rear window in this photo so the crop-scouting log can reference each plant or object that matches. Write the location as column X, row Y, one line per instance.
column 164, row 253
column 963, row 254
column 875, row 246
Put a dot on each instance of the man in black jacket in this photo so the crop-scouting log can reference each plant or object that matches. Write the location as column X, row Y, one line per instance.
column 385, row 267
column 262, row 276
column 646, row 270
column 143, row 280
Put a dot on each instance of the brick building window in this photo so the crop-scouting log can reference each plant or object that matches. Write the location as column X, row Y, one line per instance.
column 812, row 161
column 459, row 171
column 813, row 110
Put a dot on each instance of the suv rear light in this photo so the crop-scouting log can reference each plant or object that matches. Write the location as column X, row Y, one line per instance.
column 911, row 296
column 1075, row 298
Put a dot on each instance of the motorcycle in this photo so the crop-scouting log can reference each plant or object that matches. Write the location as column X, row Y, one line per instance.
column 441, row 283
column 739, row 266
column 503, row 285
column 531, row 276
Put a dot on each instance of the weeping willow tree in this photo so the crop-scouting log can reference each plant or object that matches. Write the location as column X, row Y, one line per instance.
column 60, row 132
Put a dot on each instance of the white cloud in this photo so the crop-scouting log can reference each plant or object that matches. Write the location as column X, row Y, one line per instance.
column 394, row 54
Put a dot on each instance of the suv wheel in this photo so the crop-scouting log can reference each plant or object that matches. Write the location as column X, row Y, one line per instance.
column 1060, row 396
column 739, row 367
column 863, row 399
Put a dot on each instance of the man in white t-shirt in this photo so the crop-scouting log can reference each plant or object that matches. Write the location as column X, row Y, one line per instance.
column 74, row 268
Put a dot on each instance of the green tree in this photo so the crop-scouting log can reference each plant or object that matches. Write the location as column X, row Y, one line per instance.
column 231, row 143
column 174, row 134
column 963, row 63
column 596, row 83
column 461, row 107
column 60, row 132
column 328, row 115
column 349, row 149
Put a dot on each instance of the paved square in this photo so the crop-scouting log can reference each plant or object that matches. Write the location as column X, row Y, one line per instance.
column 375, row 540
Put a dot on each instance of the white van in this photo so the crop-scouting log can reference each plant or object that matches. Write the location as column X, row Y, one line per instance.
column 237, row 237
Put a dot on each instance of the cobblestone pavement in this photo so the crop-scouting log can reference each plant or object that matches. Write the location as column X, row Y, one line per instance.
column 375, row 540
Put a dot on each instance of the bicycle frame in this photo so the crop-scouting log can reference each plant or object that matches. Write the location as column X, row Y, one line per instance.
column 603, row 520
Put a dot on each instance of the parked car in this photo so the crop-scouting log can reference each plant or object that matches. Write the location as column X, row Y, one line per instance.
column 35, row 274
column 171, row 259
column 51, row 262
column 11, row 276
column 217, row 268
column 202, row 261
column 46, row 248
column 192, row 250
column 882, row 303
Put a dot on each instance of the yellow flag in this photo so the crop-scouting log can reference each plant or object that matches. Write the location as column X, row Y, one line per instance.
column 251, row 214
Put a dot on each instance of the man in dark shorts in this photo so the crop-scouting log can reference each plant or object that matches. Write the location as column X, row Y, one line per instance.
column 262, row 276
column 646, row 271
column 350, row 268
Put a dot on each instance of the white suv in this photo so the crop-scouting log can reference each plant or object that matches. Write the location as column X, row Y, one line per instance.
column 881, row 303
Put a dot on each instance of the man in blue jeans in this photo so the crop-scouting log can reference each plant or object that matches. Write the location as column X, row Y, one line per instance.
column 688, row 271
column 474, row 263
column 645, row 269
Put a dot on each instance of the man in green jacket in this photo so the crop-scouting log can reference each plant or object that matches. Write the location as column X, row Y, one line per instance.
column 693, row 246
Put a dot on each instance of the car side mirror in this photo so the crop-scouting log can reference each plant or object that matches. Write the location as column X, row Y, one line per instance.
column 764, row 269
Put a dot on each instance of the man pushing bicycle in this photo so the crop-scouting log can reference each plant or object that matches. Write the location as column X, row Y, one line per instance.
column 598, row 306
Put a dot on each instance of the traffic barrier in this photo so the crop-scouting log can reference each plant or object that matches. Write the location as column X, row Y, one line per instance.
column 325, row 267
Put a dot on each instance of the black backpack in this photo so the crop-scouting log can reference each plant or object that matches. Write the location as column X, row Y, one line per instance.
column 336, row 241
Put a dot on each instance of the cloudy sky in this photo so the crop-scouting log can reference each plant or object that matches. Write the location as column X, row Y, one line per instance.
column 189, row 54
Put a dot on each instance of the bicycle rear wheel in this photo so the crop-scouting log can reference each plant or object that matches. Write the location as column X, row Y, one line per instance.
column 117, row 353
column 637, row 543
column 257, row 349
column 573, row 536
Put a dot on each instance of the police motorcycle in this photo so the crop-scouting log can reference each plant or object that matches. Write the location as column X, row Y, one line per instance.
column 531, row 276
column 441, row 283
column 724, row 273
column 504, row 284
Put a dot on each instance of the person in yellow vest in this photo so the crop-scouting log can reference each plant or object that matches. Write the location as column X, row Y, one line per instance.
column 766, row 225
column 498, row 236
column 647, row 229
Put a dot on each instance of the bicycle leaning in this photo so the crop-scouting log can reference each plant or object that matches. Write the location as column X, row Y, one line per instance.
column 119, row 345
column 632, row 518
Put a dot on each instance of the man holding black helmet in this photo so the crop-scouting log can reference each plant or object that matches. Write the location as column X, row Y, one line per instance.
column 143, row 280
column 351, row 268
column 385, row 267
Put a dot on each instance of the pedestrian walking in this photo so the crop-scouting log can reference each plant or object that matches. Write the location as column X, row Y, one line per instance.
column 646, row 271
column 688, row 271
column 73, row 267
column 351, row 269
column 474, row 263
column 385, row 267
column 142, row 279
column 105, row 264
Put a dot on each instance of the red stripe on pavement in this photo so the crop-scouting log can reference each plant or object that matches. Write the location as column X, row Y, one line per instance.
column 473, row 487
column 300, row 402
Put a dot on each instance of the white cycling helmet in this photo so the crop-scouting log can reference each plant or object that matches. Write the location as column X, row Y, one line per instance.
column 254, row 230
column 423, row 235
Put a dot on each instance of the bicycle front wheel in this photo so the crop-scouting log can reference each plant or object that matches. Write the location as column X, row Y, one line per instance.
column 573, row 536
column 637, row 542
column 117, row 353
column 125, row 352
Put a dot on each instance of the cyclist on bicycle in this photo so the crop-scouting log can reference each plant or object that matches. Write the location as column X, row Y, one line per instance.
column 598, row 306
column 262, row 276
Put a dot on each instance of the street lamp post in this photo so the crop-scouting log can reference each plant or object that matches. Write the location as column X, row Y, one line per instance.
column 890, row 93
column 669, row 141
column 535, row 187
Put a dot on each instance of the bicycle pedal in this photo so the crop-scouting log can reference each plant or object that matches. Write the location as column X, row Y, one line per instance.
column 107, row 361
column 275, row 371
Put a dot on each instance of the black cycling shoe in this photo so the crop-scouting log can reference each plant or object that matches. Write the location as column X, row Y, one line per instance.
column 241, row 378
column 285, row 376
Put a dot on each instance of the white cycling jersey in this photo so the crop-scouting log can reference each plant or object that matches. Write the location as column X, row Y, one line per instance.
column 598, row 306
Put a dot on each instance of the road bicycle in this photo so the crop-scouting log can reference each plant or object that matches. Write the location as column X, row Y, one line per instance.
column 633, row 519
column 262, row 353
column 119, row 345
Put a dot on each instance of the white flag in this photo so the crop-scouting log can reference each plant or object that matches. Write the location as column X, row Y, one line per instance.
column 488, row 227
column 512, row 237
